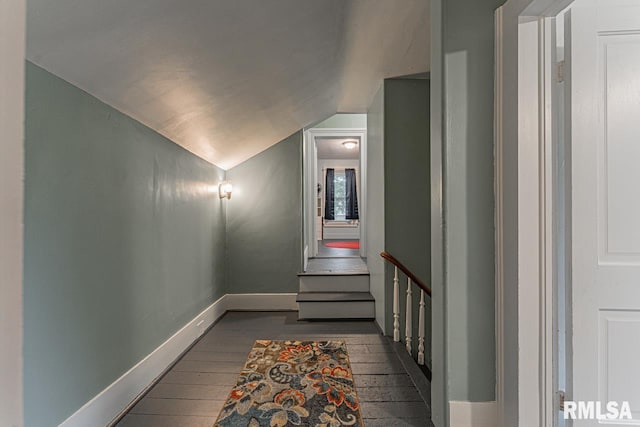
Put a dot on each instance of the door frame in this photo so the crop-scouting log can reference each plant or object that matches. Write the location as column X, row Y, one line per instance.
column 310, row 161
column 525, row 267
column 12, row 83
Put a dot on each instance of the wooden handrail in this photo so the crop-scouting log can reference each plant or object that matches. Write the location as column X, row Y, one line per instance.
column 406, row 271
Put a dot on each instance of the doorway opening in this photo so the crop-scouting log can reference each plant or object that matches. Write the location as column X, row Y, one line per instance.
column 578, row 262
column 335, row 190
column 337, row 202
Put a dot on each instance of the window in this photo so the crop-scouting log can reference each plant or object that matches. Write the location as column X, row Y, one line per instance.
column 340, row 194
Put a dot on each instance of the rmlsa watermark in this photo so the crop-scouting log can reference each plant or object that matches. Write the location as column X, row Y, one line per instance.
column 595, row 410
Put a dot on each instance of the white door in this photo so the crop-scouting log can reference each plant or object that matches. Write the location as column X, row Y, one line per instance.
column 604, row 71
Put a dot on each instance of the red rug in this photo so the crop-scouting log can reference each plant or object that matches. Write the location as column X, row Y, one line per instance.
column 344, row 245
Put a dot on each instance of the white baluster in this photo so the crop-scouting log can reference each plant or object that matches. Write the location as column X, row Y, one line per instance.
column 408, row 321
column 396, row 306
column 421, row 330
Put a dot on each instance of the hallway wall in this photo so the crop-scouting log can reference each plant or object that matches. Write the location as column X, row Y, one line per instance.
column 264, row 220
column 468, row 44
column 124, row 244
column 343, row 120
column 463, row 277
column 398, row 163
column 406, row 173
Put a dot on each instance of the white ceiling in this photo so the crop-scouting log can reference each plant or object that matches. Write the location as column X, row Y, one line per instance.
column 332, row 148
column 226, row 79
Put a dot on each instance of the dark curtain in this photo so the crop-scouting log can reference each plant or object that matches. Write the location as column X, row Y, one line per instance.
column 351, row 211
column 329, row 196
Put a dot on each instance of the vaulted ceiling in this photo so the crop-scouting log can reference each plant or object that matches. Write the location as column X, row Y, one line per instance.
column 226, row 79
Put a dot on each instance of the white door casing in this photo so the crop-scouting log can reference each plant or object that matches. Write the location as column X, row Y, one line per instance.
column 12, row 84
column 604, row 55
column 602, row 336
column 310, row 185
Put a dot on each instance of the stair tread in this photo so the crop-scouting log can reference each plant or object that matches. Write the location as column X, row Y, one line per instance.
column 328, row 266
column 334, row 273
column 334, row 296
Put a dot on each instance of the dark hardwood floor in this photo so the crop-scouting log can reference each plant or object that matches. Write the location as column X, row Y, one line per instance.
column 193, row 391
column 337, row 265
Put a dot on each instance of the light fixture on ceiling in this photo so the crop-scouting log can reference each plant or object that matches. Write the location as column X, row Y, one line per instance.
column 350, row 144
column 224, row 190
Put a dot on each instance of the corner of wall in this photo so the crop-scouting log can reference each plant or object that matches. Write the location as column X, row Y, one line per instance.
column 226, row 239
column 264, row 232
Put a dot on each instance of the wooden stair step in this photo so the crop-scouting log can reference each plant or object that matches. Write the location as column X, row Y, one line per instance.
column 334, row 296
column 341, row 283
column 333, row 273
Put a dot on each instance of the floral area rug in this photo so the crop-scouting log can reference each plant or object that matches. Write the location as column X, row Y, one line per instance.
column 293, row 383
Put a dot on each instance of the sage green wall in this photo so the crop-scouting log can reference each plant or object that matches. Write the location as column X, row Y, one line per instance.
column 123, row 245
column 406, row 178
column 344, row 120
column 467, row 60
column 264, row 220
column 399, row 209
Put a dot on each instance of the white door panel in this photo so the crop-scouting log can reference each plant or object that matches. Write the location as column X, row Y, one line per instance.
column 604, row 55
column 619, row 150
column 619, row 329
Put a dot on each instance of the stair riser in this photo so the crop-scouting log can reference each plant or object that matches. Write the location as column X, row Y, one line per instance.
column 337, row 310
column 334, row 283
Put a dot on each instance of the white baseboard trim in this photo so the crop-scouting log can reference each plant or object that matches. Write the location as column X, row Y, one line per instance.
column 261, row 302
column 111, row 401
column 473, row 414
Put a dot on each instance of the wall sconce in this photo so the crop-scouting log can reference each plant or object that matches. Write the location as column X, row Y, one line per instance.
column 224, row 189
column 350, row 145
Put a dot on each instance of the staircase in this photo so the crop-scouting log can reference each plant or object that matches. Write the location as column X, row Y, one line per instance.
column 422, row 355
column 335, row 288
